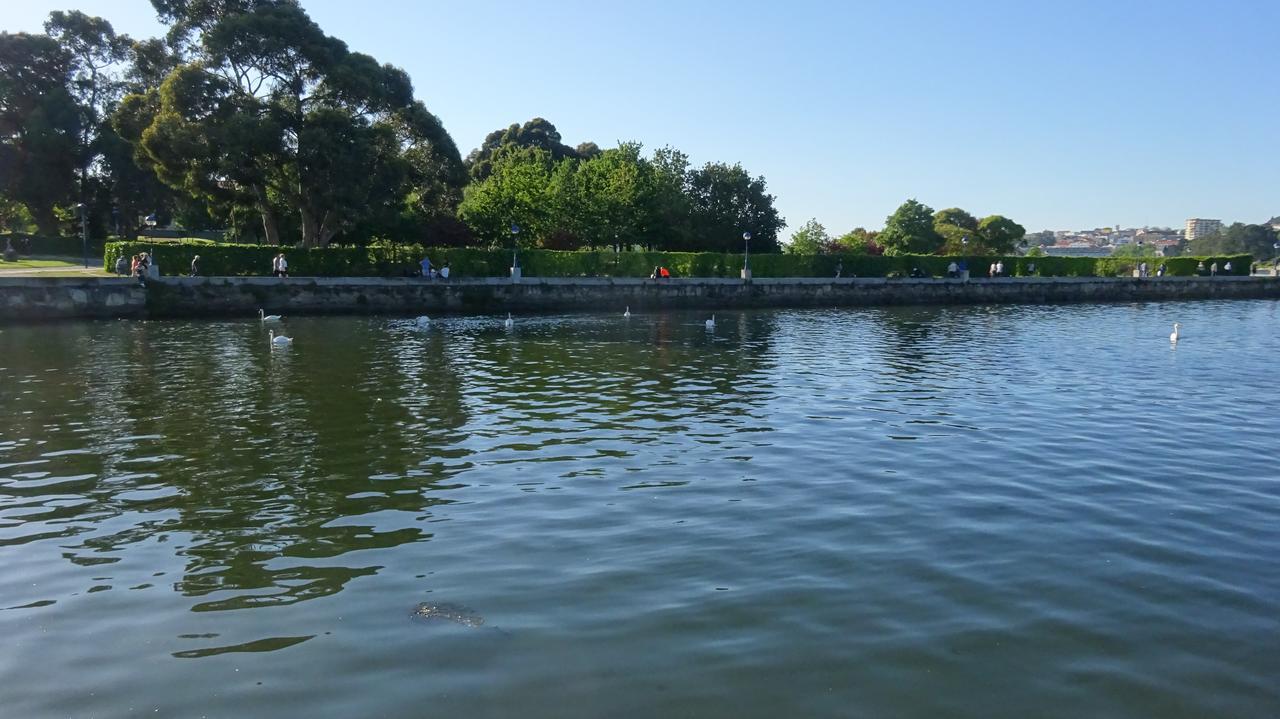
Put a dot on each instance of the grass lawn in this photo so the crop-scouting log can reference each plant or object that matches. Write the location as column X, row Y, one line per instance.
column 52, row 267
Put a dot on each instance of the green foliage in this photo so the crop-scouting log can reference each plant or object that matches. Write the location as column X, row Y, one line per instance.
column 274, row 114
column 1257, row 240
column 910, row 230
column 534, row 134
column 390, row 260
column 40, row 126
column 616, row 198
column 999, row 234
column 956, row 217
column 810, row 239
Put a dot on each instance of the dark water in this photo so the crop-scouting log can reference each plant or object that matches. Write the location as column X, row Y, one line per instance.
column 976, row 512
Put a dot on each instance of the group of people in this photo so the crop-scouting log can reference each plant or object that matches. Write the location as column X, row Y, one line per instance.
column 279, row 266
column 137, row 266
column 431, row 272
column 660, row 273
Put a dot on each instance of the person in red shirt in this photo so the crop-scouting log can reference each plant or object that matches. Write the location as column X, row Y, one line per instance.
column 664, row 273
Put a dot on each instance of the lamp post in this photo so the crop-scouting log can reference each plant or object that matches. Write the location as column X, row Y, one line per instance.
column 1275, row 271
column 746, row 268
column 84, row 231
column 515, row 259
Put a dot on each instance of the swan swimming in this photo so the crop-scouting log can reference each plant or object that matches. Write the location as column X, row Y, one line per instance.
column 711, row 324
column 268, row 318
column 627, row 314
column 1173, row 337
column 279, row 340
column 510, row 322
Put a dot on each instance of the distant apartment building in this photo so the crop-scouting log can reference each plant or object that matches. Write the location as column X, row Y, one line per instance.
column 1197, row 227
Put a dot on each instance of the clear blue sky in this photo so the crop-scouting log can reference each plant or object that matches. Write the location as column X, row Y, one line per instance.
column 1059, row 115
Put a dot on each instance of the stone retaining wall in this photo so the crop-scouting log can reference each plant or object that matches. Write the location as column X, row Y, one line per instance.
column 41, row 299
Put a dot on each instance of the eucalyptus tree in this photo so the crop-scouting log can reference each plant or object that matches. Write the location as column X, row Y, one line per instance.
column 41, row 126
column 269, row 110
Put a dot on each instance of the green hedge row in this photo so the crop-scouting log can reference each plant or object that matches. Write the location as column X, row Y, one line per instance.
column 44, row 245
column 174, row 257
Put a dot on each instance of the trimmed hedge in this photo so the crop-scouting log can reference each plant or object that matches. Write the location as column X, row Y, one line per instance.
column 174, row 257
column 44, row 245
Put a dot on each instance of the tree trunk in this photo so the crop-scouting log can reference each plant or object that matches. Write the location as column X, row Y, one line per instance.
column 310, row 228
column 269, row 226
column 328, row 228
column 46, row 221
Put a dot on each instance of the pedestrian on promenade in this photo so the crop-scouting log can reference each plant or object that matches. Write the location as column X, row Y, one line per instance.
column 664, row 273
column 999, row 268
column 281, row 266
column 654, row 275
column 1142, row 269
column 1227, row 267
column 195, row 266
column 1160, row 270
column 839, row 267
column 444, row 271
column 953, row 270
column 122, row 265
column 426, row 266
column 1213, row 270
column 275, row 265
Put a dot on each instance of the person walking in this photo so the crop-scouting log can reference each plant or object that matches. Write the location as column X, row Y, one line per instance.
column 1213, row 270
column 1227, row 267
column 122, row 265
column 426, row 266
column 999, row 268
column 195, row 266
column 283, row 266
column 953, row 270
column 444, row 271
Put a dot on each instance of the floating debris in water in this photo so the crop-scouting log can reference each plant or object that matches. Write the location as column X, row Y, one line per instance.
column 466, row 616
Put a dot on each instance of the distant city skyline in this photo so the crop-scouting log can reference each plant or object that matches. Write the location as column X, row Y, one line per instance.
column 1062, row 117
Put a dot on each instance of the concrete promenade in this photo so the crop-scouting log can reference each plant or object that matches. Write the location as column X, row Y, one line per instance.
column 42, row 298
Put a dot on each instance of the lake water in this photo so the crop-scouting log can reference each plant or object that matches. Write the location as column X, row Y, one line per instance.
column 909, row 512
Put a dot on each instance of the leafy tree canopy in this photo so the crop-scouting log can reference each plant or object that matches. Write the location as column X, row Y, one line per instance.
column 810, row 239
column 909, row 230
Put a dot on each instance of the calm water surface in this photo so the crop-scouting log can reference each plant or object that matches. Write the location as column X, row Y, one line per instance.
column 973, row 512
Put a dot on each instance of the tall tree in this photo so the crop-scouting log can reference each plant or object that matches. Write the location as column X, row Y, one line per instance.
column 274, row 112
column 910, row 230
column 536, row 133
column 810, row 239
column 1000, row 234
column 727, row 201
column 95, row 83
column 40, row 126
column 956, row 217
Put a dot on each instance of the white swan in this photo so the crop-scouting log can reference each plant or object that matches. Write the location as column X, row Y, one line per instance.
column 279, row 340
column 711, row 324
column 268, row 318
column 627, row 314
column 1173, row 337
column 510, row 322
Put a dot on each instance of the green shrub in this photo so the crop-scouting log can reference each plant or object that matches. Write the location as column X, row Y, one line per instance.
column 45, row 245
column 390, row 260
